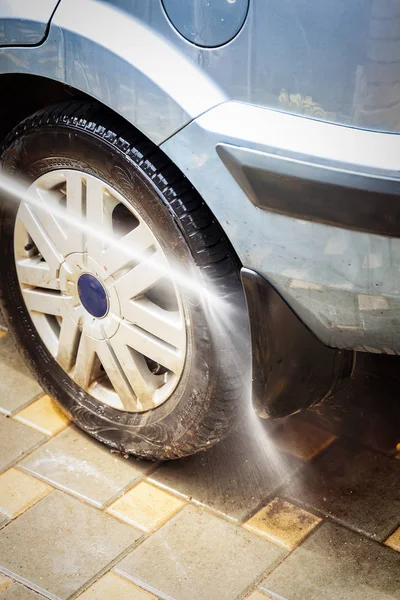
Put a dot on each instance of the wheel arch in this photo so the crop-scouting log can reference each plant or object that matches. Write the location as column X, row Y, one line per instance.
column 122, row 63
column 26, row 94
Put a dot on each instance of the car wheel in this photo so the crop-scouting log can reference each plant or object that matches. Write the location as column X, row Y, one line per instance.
column 135, row 356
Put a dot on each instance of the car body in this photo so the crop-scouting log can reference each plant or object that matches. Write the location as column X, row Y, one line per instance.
column 283, row 116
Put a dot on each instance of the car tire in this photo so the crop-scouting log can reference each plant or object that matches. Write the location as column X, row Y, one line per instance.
column 209, row 394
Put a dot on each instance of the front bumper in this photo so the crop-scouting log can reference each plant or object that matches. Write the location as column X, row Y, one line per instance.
column 335, row 265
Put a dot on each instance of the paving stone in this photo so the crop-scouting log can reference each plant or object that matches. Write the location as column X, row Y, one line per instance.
column 16, row 440
column 4, row 582
column 17, row 385
column 336, row 563
column 393, row 541
column 357, row 487
column 282, row 523
column 60, row 544
column 112, row 585
column 146, row 507
column 19, row 491
column 3, row 520
column 199, row 556
column 365, row 408
column 232, row 477
column 44, row 416
column 301, row 439
column 258, row 596
column 17, row 591
column 75, row 462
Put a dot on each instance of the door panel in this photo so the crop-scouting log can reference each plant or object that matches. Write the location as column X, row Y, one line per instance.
column 24, row 22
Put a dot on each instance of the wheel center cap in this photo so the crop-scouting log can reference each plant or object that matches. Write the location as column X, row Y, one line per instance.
column 93, row 295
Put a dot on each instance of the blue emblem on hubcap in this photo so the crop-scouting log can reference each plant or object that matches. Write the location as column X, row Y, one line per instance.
column 93, row 295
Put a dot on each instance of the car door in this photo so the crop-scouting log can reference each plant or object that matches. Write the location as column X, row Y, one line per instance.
column 24, row 22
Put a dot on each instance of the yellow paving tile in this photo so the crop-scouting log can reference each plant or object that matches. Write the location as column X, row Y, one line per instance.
column 145, row 506
column 282, row 523
column 19, row 491
column 302, row 439
column 112, row 585
column 44, row 416
column 4, row 582
column 393, row 541
column 398, row 451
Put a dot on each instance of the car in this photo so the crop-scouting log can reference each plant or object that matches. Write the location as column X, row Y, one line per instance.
column 200, row 207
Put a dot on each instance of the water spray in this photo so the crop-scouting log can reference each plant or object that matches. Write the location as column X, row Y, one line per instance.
column 18, row 193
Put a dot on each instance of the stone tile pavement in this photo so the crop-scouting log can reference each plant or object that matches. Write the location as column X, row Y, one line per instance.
column 303, row 509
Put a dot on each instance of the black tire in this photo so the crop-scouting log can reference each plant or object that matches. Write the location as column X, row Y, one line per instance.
column 209, row 396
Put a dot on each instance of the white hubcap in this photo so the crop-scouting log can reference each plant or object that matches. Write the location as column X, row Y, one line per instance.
column 111, row 319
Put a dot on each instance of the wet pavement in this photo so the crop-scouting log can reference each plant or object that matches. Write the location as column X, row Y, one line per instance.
column 303, row 509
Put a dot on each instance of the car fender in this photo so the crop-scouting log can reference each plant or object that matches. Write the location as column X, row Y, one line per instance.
column 118, row 60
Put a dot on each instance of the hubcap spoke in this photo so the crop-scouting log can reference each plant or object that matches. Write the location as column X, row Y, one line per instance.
column 34, row 272
column 142, row 382
column 84, row 362
column 68, row 343
column 141, row 278
column 163, row 324
column 46, row 246
column 116, row 375
column 150, row 346
column 98, row 210
column 76, row 207
column 130, row 247
column 140, row 379
column 46, row 302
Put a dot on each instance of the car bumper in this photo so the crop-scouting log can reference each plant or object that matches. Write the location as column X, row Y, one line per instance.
column 313, row 207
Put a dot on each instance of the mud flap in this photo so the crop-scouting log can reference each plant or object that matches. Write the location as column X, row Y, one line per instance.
column 291, row 368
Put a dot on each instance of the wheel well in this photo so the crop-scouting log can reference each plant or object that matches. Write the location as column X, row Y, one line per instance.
column 25, row 94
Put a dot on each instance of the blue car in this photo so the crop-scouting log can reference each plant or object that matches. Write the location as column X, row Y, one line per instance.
column 200, row 207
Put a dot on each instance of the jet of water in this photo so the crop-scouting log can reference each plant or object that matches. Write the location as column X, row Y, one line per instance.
column 17, row 192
